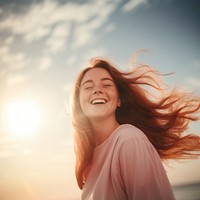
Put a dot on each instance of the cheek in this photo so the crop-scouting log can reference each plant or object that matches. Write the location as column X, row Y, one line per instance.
column 115, row 95
column 83, row 99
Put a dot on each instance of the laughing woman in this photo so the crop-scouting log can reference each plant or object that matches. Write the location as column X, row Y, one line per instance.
column 123, row 132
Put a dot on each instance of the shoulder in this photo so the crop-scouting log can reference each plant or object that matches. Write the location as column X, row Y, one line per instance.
column 131, row 143
column 129, row 132
column 131, row 138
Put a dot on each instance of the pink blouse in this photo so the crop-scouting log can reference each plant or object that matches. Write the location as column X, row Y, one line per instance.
column 127, row 167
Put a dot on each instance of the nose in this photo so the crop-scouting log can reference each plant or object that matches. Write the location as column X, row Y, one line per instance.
column 98, row 90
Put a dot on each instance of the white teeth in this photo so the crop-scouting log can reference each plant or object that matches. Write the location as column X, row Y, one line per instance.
column 98, row 101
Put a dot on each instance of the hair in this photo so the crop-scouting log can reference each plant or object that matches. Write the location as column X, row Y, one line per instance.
column 163, row 119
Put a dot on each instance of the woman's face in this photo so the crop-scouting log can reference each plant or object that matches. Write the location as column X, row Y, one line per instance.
column 98, row 94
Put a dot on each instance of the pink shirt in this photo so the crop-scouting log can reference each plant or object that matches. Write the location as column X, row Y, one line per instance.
column 127, row 167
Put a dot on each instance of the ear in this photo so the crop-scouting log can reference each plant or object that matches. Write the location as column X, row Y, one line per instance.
column 119, row 103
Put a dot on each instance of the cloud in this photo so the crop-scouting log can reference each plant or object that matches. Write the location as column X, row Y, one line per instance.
column 11, row 64
column 12, row 60
column 57, row 40
column 133, row 4
column 3, row 51
column 33, row 24
column 16, row 61
column 193, row 82
column 93, row 52
column 68, row 88
column 9, row 40
column 15, row 79
column 2, row 73
column 44, row 63
column 53, row 22
column 71, row 60
column 54, row 27
column 85, row 32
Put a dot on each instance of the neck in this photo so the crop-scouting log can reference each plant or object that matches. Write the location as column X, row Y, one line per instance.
column 103, row 129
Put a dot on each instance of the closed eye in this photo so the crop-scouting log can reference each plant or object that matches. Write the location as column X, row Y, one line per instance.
column 107, row 85
column 88, row 88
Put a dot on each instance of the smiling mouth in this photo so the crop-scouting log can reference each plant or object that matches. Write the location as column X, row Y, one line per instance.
column 98, row 101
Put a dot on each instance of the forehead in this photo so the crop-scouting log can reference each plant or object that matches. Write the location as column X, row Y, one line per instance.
column 96, row 74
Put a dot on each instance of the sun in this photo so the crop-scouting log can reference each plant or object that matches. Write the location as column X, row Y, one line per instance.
column 24, row 118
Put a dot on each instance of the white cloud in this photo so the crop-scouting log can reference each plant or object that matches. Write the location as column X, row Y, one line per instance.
column 85, row 32
column 3, row 51
column 93, row 52
column 12, row 60
column 61, row 30
column 71, row 60
column 68, row 88
column 39, row 20
column 56, row 44
column 37, row 34
column 193, row 82
column 83, row 35
column 9, row 40
column 15, row 61
column 34, row 24
column 10, row 64
column 133, row 4
column 2, row 72
column 15, row 79
column 57, row 40
column 44, row 63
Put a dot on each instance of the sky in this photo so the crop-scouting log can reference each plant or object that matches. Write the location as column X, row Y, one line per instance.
column 43, row 47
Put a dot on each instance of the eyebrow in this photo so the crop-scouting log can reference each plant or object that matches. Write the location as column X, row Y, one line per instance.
column 102, row 79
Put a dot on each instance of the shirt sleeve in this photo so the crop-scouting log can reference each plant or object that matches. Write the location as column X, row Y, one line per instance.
column 142, row 172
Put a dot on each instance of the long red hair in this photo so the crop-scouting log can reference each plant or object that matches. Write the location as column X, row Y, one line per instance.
column 163, row 119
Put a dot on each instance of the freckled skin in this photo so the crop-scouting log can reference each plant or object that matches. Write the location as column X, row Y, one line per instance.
column 96, row 84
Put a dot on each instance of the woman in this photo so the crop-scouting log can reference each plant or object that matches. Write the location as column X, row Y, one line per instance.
column 122, row 133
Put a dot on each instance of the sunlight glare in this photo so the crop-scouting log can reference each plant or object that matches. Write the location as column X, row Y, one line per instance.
column 24, row 118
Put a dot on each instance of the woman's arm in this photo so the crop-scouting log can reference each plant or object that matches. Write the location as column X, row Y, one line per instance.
column 142, row 171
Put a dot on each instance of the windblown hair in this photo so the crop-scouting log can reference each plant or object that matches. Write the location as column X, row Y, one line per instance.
column 163, row 119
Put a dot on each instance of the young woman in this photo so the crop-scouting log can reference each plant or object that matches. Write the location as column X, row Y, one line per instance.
column 123, row 132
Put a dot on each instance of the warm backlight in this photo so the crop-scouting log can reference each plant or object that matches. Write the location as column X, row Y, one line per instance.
column 24, row 118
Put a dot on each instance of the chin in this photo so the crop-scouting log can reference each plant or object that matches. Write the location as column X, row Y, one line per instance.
column 99, row 116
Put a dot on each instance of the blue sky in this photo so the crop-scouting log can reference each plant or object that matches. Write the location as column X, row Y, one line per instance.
column 43, row 46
